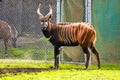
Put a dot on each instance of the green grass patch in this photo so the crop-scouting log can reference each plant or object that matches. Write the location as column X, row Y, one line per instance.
column 18, row 63
column 66, row 75
column 66, row 71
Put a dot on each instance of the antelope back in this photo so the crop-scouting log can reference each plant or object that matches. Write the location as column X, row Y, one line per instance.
column 5, row 30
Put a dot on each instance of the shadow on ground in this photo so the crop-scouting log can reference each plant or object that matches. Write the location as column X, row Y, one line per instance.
column 28, row 70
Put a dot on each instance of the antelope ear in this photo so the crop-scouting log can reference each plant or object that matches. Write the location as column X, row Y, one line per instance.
column 38, row 11
column 49, row 15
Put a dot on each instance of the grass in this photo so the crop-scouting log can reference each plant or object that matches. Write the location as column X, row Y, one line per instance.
column 18, row 63
column 66, row 71
column 66, row 75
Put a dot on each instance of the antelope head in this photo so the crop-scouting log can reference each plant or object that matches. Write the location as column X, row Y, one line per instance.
column 44, row 20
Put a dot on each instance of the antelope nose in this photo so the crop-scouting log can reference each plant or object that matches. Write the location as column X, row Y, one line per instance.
column 44, row 27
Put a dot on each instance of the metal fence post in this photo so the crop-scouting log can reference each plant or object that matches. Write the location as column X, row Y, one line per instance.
column 88, row 15
column 58, row 18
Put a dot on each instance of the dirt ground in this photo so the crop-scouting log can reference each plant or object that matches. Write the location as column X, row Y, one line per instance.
column 28, row 70
column 25, row 70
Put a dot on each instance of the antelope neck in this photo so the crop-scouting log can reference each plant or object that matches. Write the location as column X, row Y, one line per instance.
column 50, row 29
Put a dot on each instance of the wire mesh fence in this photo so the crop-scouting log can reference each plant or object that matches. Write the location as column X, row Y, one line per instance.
column 31, row 43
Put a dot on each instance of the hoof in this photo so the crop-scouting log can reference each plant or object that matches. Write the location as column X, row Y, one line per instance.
column 6, row 55
column 98, row 67
column 56, row 67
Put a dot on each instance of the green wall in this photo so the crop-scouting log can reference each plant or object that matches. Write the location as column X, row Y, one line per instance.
column 106, row 20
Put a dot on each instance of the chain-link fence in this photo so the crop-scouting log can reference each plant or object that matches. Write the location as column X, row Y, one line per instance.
column 31, row 43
